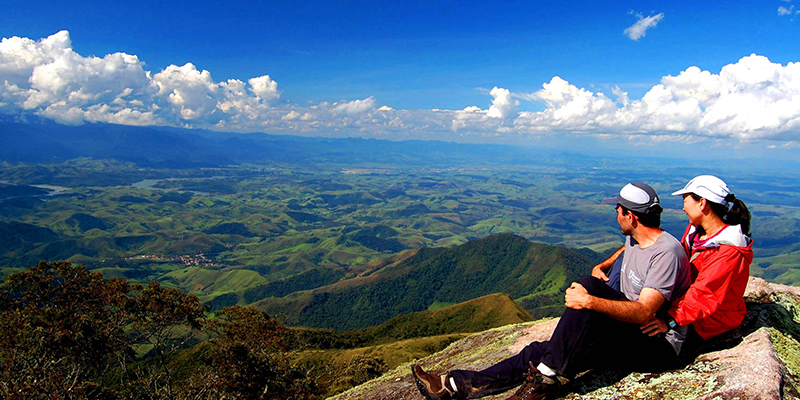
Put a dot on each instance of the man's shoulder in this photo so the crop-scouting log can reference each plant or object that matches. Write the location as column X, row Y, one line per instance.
column 667, row 244
column 668, row 240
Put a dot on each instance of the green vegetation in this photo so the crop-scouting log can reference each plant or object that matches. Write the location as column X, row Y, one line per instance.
column 70, row 334
column 471, row 316
column 535, row 274
column 276, row 229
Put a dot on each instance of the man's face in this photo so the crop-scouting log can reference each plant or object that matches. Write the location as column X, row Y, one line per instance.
column 625, row 221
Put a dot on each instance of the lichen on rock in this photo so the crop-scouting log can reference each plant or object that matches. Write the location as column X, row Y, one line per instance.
column 759, row 360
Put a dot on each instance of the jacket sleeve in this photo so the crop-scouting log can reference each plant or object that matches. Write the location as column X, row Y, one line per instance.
column 721, row 269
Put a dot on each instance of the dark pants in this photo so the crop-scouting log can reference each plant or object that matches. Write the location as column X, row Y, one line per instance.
column 613, row 273
column 582, row 340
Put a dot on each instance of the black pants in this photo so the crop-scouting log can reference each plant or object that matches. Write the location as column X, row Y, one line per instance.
column 582, row 340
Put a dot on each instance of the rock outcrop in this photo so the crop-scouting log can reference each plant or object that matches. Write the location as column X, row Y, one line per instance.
column 759, row 360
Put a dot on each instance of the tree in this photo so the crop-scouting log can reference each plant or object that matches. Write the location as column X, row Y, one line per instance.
column 64, row 328
column 251, row 358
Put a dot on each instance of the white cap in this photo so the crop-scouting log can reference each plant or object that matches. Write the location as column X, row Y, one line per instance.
column 708, row 187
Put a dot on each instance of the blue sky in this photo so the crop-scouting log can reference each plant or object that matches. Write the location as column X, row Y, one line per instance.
column 467, row 71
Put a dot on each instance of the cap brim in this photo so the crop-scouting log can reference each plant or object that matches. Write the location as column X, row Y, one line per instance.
column 611, row 200
column 626, row 203
column 680, row 192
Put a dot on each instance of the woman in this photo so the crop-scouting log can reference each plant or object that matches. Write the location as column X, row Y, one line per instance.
column 719, row 248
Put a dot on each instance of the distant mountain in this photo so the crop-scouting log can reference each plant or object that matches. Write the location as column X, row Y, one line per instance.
column 44, row 141
column 533, row 274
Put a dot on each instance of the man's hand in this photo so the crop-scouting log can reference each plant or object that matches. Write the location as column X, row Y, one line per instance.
column 599, row 270
column 598, row 273
column 654, row 327
column 577, row 297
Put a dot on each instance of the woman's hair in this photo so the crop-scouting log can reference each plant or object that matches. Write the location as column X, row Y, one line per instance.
column 737, row 215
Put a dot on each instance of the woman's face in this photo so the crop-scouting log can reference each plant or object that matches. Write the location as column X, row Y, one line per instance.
column 693, row 208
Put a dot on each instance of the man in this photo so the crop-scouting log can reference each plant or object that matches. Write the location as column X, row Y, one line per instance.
column 601, row 325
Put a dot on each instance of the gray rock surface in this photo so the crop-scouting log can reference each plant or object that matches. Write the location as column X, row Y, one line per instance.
column 760, row 360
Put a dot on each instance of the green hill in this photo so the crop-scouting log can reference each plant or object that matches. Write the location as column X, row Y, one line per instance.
column 533, row 274
column 206, row 283
column 475, row 315
column 401, row 339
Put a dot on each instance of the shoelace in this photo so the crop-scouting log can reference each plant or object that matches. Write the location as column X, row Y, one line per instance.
column 530, row 386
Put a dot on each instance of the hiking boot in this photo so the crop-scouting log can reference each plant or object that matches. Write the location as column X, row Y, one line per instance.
column 431, row 386
column 537, row 386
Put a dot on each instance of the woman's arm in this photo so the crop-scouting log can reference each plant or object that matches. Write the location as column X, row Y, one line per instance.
column 716, row 274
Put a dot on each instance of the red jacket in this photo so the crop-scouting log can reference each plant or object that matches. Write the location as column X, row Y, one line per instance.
column 714, row 303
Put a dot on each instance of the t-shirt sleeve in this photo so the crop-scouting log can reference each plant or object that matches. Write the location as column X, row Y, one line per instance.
column 663, row 273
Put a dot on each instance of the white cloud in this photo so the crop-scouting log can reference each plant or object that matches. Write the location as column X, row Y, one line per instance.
column 265, row 88
column 48, row 78
column 190, row 92
column 785, row 11
column 503, row 105
column 291, row 116
column 637, row 30
column 751, row 99
column 622, row 96
column 568, row 107
column 355, row 106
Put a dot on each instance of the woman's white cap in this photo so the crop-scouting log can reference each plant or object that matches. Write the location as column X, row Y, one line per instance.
column 709, row 187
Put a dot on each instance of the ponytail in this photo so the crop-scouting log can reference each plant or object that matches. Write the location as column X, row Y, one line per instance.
column 737, row 214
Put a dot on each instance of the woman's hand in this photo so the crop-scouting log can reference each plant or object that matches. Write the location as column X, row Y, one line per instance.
column 654, row 327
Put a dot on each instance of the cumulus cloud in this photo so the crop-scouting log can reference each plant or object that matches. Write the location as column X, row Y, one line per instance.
column 751, row 99
column 355, row 107
column 264, row 88
column 503, row 105
column 638, row 30
column 48, row 78
column 622, row 96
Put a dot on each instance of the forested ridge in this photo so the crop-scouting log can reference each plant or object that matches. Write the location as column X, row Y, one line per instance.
column 70, row 334
column 533, row 273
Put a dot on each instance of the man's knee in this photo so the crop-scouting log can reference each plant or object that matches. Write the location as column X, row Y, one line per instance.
column 598, row 287
column 591, row 284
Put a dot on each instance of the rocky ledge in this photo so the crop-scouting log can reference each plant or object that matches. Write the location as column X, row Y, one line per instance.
column 759, row 360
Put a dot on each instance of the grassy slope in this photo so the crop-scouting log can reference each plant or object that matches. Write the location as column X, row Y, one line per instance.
column 412, row 336
column 500, row 263
column 207, row 283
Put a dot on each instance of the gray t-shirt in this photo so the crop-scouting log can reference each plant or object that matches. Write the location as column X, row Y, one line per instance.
column 662, row 266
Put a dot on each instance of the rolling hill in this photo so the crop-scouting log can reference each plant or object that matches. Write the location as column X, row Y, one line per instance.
column 533, row 274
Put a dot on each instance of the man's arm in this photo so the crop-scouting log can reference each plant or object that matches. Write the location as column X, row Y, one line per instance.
column 599, row 270
column 637, row 312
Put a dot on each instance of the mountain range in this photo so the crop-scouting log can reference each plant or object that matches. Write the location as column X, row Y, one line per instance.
column 43, row 141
